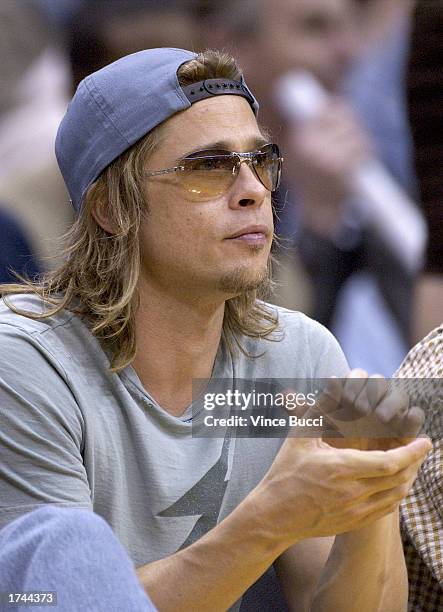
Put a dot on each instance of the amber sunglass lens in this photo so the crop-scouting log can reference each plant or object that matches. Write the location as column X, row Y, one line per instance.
column 207, row 177
column 268, row 165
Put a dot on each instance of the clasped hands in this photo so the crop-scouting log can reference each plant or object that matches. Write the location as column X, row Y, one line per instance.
column 365, row 413
column 320, row 485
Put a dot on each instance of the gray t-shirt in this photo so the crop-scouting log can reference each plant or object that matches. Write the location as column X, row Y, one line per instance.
column 74, row 435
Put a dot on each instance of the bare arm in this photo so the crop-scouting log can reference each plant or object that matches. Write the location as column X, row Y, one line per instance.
column 300, row 497
column 215, row 571
column 299, row 569
column 365, row 571
column 312, row 489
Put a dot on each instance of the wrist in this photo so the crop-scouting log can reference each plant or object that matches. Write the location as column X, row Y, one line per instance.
column 272, row 526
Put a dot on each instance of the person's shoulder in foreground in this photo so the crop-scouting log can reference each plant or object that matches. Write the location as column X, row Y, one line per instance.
column 425, row 359
column 16, row 254
column 421, row 517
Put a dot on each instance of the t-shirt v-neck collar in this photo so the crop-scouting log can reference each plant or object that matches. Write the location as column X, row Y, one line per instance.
column 223, row 369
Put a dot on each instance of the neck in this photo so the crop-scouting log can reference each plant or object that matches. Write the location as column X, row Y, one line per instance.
column 177, row 341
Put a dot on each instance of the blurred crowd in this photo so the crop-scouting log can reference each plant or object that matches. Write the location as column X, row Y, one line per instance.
column 348, row 88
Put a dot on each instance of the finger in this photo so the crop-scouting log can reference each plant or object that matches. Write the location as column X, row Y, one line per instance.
column 391, row 496
column 382, row 409
column 325, row 405
column 412, row 422
column 382, row 503
column 330, row 398
column 393, row 407
column 353, row 404
column 370, row 486
column 367, row 515
column 353, row 409
column 362, row 405
column 344, row 137
column 376, row 388
column 366, row 489
column 354, row 383
column 373, row 464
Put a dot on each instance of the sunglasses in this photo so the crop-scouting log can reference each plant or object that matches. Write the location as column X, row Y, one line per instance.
column 208, row 174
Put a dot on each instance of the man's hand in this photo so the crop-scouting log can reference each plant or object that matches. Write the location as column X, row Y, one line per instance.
column 367, row 413
column 313, row 489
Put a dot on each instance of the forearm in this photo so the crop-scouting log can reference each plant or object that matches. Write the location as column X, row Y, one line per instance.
column 215, row 571
column 365, row 571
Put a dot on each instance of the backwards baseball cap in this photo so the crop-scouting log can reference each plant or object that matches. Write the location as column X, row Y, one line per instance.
column 116, row 106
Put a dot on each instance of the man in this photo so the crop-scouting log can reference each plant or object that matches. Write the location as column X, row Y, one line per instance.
column 105, row 30
column 172, row 179
column 424, row 89
column 33, row 99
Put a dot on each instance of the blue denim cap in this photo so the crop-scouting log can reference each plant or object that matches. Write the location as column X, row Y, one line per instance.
column 116, row 106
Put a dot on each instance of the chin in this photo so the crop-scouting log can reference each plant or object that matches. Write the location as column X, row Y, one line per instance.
column 243, row 279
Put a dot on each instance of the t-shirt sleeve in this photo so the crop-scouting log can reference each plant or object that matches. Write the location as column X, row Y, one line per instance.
column 327, row 356
column 41, row 429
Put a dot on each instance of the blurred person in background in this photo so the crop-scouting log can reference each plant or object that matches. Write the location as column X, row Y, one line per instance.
column 33, row 99
column 324, row 37
column 102, row 31
column 59, row 13
column 421, row 511
column 425, row 99
column 378, row 299
column 15, row 252
column 40, row 74
column 314, row 35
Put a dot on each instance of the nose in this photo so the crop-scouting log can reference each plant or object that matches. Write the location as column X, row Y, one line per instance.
column 247, row 189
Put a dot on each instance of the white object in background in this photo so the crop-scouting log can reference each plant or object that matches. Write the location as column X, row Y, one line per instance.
column 380, row 200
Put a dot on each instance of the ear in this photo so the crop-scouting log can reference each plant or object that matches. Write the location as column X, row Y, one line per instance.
column 100, row 215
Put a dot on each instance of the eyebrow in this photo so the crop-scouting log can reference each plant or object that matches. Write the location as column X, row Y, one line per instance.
column 224, row 145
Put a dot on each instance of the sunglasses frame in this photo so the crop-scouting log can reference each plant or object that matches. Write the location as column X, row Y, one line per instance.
column 250, row 158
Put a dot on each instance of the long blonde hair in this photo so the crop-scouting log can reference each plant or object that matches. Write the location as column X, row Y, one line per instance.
column 101, row 271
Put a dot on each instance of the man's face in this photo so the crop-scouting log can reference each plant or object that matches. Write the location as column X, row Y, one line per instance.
column 315, row 35
column 187, row 246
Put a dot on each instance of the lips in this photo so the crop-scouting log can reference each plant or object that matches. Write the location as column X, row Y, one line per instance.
column 251, row 230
